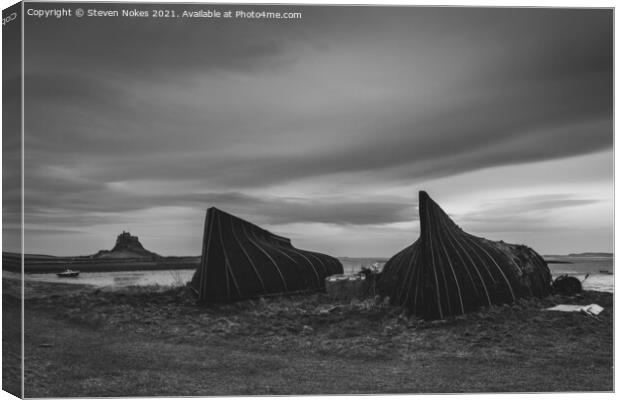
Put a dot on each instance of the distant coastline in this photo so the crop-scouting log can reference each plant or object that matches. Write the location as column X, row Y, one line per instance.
column 591, row 255
column 49, row 264
column 587, row 254
column 40, row 263
column 562, row 259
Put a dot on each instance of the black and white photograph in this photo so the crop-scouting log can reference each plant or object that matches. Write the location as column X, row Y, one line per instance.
column 235, row 199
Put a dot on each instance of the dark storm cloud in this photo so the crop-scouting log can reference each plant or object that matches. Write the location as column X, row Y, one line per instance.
column 330, row 211
column 500, row 139
column 273, row 210
column 141, row 47
column 347, row 94
column 540, row 71
column 40, row 230
column 70, row 89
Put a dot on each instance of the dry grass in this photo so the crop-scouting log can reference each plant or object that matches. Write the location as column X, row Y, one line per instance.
column 143, row 342
column 11, row 345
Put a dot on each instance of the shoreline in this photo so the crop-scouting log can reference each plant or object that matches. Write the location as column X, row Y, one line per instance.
column 45, row 264
column 597, row 280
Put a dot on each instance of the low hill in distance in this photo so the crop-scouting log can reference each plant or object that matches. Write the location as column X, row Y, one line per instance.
column 576, row 255
column 128, row 254
column 127, row 246
column 591, row 255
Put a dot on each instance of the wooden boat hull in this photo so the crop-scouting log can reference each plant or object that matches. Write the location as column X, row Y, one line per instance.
column 450, row 272
column 241, row 260
column 68, row 274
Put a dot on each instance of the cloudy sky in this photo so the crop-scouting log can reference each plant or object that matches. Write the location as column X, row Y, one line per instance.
column 322, row 129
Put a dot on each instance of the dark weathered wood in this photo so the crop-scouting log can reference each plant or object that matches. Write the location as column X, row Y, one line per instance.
column 241, row 261
column 273, row 262
column 449, row 272
column 248, row 258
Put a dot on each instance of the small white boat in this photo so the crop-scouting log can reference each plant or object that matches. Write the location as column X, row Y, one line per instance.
column 68, row 273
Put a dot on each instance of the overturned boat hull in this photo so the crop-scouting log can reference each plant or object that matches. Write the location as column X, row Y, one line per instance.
column 449, row 272
column 241, row 260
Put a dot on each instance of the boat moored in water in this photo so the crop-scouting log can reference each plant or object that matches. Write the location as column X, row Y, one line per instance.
column 68, row 273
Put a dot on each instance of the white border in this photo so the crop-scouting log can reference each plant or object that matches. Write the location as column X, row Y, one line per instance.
column 478, row 3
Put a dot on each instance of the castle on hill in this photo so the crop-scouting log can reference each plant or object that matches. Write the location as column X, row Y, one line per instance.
column 127, row 246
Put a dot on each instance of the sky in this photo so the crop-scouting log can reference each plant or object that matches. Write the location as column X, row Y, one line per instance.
column 322, row 129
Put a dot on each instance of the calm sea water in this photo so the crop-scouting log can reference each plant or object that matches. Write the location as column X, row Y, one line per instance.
column 578, row 267
column 177, row 277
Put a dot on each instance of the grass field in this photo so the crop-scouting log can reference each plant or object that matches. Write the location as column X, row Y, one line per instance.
column 84, row 342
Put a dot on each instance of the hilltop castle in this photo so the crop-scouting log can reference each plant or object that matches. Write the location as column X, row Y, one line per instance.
column 127, row 246
column 125, row 241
